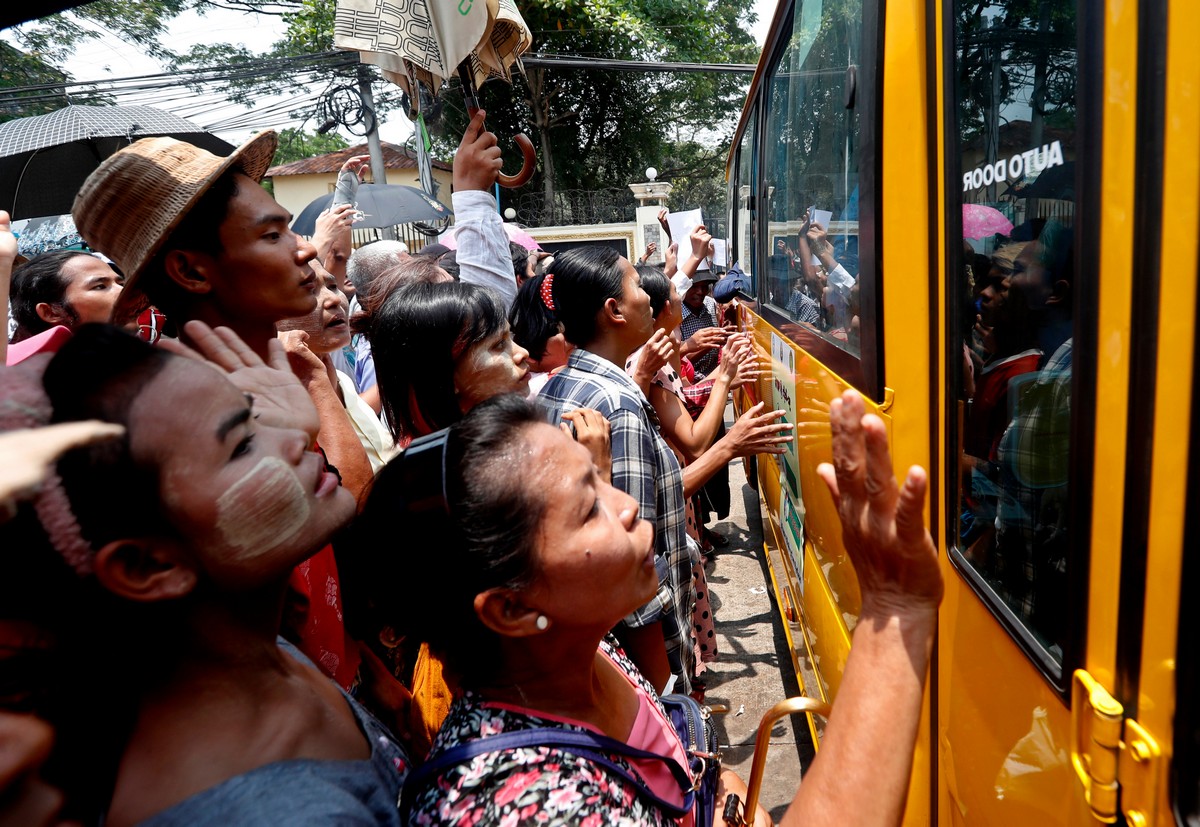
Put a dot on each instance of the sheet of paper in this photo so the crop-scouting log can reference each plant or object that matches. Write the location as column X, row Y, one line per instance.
column 682, row 224
column 719, row 252
column 822, row 217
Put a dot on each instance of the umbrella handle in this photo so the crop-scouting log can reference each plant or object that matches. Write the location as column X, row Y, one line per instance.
column 528, row 160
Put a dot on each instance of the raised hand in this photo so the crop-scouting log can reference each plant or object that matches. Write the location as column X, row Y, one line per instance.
column 654, row 355
column 701, row 241
column 756, row 432
column 883, row 526
column 704, row 339
column 477, row 161
column 280, row 400
column 357, row 164
column 591, row 430
column 29, row 454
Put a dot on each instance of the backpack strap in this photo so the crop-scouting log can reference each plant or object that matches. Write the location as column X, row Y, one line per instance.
column 583, row 743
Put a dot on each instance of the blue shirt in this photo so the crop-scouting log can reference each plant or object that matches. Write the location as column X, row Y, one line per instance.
column 304, row 791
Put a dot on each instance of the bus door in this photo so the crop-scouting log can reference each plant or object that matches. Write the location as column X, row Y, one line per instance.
column 1039, row 156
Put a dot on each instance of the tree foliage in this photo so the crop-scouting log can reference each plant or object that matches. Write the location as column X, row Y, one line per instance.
column 593, row 128
column 296, row 144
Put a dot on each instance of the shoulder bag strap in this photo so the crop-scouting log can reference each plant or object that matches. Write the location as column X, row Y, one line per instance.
column 589, row 745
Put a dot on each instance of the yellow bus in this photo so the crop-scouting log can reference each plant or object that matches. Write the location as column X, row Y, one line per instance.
column 993, row 182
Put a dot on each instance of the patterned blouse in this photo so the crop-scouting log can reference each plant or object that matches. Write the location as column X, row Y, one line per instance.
column 535, row 785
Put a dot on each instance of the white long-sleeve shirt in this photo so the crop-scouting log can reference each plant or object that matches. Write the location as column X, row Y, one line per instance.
column 483, row 256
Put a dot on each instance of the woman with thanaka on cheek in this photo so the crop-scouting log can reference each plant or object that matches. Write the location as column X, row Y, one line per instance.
column 440, row 349
column 321, row 333
column 185, row 593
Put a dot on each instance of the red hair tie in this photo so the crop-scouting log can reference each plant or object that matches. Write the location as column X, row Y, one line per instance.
column 547, row 297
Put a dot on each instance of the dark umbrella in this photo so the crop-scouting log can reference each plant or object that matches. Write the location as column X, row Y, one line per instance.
column 46, row 158
column 381, row 205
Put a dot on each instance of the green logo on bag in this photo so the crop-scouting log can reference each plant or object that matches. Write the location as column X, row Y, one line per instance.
column 464, row 7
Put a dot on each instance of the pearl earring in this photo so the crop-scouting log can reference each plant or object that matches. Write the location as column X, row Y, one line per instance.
column 542, row 622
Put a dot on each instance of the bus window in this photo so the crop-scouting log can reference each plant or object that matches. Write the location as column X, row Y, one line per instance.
column 1013, row 309
column 742, row 228
column 810, row 174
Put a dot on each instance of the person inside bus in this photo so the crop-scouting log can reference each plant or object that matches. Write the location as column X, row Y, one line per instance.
column 64, row 287
column 202, row 715
column 1008, row 331
column 693, row 439
column 1032, row 516
column 540, row 557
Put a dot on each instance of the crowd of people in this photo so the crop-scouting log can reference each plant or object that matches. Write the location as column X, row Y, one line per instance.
column 352, row 511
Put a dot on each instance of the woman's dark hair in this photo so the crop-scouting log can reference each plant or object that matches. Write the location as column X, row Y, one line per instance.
column 480, row 537
column 197, row 231
column 98, row 374
column 417, row 335
column 40, row 280
column 657, row 287
column 584, row 278
column 531, row 321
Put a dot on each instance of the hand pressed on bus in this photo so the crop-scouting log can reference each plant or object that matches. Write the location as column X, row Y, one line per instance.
column 883, row 526
column 861, row 774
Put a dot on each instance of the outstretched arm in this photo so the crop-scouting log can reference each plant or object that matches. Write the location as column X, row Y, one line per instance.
column 860, row 776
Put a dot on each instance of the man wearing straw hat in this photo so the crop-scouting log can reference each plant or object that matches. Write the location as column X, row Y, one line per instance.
column 197, row 236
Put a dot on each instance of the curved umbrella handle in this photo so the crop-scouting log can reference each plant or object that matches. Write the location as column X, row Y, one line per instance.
column 528, row 160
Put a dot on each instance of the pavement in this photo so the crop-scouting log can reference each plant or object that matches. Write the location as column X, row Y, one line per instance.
column 753, row 670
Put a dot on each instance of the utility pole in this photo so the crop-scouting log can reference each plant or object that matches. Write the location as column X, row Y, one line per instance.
column 374, row 148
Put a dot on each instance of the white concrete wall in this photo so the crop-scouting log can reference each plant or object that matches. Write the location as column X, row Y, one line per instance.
column 295, row 192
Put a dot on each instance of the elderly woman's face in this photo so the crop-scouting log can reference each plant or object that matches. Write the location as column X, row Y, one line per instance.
column 595, row 557
column 328, row 326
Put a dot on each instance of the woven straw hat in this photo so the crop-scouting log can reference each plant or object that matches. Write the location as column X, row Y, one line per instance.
column 131, row 204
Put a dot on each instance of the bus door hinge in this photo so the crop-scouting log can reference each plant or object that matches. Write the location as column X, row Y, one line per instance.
column 1112, row 756
column 1138, row 772
column 1095, row 744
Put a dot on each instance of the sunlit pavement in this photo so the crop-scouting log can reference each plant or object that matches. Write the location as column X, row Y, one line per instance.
column 753, row 670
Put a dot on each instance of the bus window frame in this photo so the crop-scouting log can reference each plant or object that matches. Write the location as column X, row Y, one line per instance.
column 1185, row 764
column 864, row 371
column 1088, row 171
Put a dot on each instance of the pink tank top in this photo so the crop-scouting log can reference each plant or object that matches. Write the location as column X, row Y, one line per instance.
column 654, row 733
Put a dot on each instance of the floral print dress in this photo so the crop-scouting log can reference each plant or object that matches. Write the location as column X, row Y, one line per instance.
column 534, row 785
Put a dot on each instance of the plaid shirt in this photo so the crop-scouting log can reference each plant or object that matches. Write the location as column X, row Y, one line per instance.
column 693, row 321
column 1032, row 532
column 644, row 467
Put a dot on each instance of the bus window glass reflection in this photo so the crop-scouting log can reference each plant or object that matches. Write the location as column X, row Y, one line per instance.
column 1015, row 68
column 811, row 174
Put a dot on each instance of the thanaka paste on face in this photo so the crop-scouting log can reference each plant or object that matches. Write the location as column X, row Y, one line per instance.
column 263, row 509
